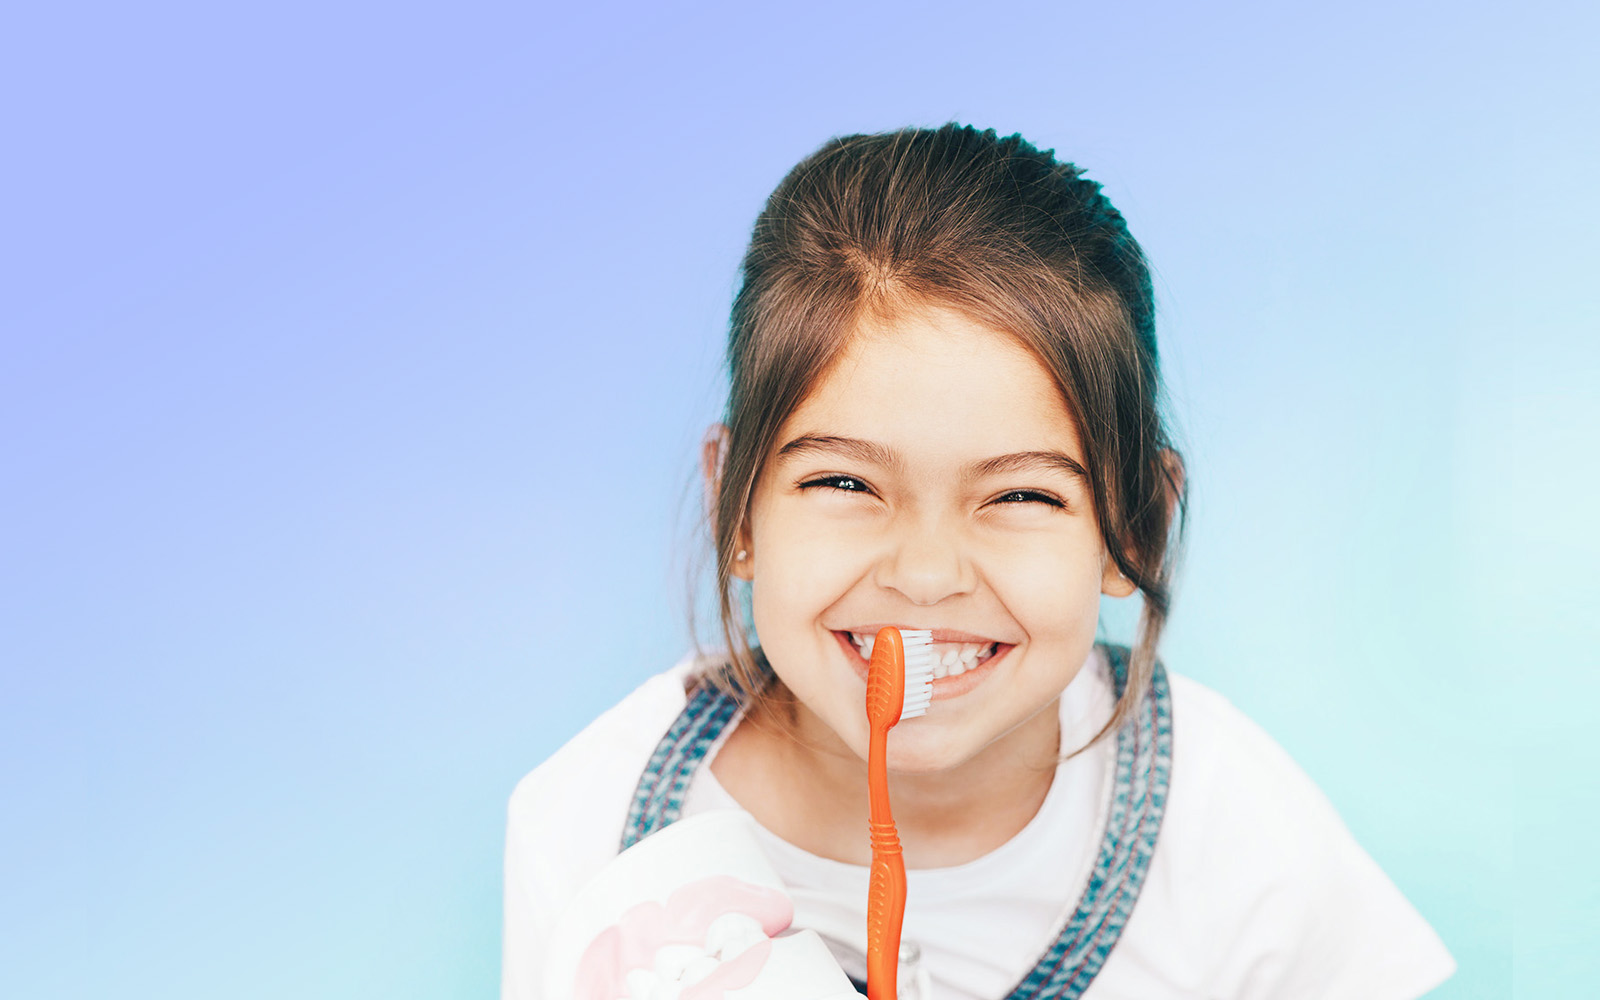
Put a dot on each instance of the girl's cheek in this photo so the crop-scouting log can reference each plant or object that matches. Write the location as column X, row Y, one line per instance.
column 1063, row 588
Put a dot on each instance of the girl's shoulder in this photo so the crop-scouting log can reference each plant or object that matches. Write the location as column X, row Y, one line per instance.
column 614, row 748
column 1259, row 877
column 1234, row 784
column 1219, row 743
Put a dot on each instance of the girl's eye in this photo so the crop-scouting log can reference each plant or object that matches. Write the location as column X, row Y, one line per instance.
column 1029, row 495
column 857, row 485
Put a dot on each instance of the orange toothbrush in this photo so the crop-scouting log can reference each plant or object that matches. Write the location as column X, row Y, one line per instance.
column 899, row 686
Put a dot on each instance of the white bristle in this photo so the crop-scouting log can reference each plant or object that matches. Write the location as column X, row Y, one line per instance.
column 919, row 671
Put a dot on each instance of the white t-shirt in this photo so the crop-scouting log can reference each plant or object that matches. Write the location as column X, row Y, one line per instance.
column 1256, row 889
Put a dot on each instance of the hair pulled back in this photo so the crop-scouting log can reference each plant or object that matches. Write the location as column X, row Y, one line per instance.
column 1003, row 233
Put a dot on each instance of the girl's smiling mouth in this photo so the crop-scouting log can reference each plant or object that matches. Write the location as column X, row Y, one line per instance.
column 962, row 661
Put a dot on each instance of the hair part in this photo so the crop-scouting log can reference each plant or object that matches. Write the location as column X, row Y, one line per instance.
column 870, row 226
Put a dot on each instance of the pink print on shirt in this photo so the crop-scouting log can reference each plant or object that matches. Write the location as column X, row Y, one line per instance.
column 631, row 943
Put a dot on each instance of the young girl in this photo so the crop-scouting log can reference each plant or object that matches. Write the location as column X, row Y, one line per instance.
column 944, row 415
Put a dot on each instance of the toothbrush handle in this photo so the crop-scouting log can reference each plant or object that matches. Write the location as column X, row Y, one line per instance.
column 886, row 894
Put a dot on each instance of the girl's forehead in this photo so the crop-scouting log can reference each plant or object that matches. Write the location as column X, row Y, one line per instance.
column 937, row 382
column 933, row 342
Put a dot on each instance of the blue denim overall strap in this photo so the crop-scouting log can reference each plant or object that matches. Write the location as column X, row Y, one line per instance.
column 1142, row 777
column 658, row 799
column 1138, row 802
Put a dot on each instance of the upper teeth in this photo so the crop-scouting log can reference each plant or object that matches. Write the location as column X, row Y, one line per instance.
column 953, row 658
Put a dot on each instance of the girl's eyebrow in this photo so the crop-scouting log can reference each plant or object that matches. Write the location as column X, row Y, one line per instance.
column 880, row 455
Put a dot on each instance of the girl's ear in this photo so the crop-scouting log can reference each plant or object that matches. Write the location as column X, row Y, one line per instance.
column 1113, row 583
column 713, row 456
column 1177, row 475
column 741, row 561
column 713, row 452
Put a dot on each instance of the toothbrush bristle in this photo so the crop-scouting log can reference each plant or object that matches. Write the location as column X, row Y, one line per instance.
column 919, row 671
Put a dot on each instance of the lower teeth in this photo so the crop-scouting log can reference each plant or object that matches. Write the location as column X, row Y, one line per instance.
column 961, row 666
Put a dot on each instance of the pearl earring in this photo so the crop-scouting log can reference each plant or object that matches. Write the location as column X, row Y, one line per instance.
column 741, row 555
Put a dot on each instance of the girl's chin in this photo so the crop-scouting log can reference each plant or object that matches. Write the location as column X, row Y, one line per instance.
column 918, row 746
column 923, row 764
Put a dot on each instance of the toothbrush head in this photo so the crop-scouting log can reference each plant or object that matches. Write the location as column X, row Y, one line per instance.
column 900, row 679
column 919, row 671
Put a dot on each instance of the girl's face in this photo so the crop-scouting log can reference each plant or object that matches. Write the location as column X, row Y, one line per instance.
column 933, row 479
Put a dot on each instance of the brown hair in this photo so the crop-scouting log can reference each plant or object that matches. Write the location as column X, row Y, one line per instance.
column 1003, row 233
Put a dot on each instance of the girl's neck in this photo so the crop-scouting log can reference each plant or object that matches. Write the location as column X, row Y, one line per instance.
column 802, row 783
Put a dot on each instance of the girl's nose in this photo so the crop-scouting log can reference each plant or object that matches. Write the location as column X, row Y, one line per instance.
column 927, row 565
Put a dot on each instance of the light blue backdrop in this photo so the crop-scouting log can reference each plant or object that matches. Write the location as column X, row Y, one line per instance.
column 355, row 358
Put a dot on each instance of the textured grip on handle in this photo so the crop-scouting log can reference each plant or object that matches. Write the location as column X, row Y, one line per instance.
column 886, row 902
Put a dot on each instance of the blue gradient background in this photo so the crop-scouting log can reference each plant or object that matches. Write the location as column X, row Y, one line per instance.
column 355, row 359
